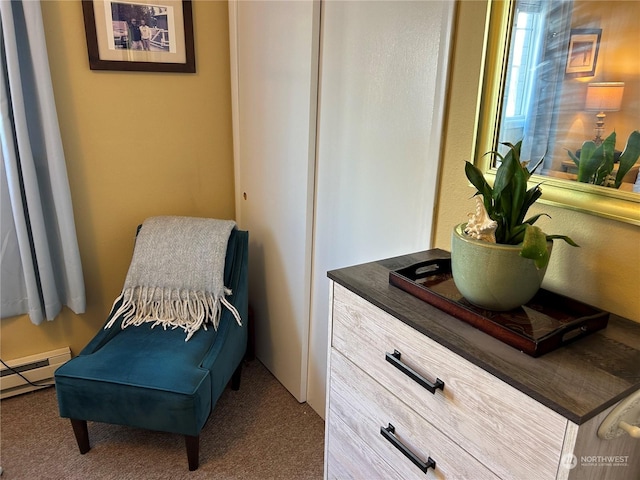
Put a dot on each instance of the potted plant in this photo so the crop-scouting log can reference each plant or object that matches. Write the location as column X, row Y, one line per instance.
column 499, row 257
column 596, row 162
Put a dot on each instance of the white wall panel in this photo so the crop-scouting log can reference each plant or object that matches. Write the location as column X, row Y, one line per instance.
column 382, row 86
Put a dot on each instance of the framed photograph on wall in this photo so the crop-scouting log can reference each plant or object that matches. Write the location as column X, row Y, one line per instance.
column 583, row 52
column 140, row 35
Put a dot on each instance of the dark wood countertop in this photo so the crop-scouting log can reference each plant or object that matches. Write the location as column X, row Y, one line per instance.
column 578, row 380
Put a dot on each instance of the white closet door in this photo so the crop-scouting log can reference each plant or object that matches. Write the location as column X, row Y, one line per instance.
column 274, row 62
column 382, row 83
column 382, row 86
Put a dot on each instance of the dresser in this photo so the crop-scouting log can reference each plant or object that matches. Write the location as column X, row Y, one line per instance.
column 415, row 393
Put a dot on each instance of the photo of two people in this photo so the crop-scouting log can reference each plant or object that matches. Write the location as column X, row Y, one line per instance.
column 140, row 27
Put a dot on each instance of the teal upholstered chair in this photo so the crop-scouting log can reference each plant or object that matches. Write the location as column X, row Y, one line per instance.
column 151, row 378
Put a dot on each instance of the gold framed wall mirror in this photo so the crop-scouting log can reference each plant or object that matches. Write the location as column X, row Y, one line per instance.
column 544, row 60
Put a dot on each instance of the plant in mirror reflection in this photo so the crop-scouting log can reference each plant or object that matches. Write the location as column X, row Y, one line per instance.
column 596, row 163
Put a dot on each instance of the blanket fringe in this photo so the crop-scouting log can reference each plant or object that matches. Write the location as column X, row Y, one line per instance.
column 189, row 310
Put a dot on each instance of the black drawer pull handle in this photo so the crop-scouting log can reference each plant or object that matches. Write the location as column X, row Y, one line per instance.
column 394, row 359
column 388, row 433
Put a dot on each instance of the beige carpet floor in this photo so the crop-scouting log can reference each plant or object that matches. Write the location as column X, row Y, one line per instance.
column 258, row 432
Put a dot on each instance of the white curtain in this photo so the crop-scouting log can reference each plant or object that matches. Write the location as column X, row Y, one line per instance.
column 40, row 261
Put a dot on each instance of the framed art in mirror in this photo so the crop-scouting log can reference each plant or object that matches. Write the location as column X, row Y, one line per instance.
column 530, row 91
column 584, row 45
column 140, row 35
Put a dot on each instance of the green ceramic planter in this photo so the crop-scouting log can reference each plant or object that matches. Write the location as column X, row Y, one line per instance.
column 493, row 276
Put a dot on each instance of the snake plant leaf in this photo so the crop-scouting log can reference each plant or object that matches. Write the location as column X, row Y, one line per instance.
column 508, row 201
column 513, row 147
column 519, row 194
column 534, row 219
column 516, row 234
column 502, row 232
column 530, row 197
column 534, row 246
column 573, row 157
column 629, row 157
column 530, row 171
column 563, row 237
column 589, row 162
column 475, row 176
column 606, row 159
column 506, row 171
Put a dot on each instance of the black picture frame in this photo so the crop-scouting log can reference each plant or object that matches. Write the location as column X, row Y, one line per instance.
column 109, row 46
column 582, row 54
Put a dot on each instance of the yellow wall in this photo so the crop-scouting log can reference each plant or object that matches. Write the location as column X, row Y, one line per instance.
column 123, row 167
column 137, row 144
column 605, row 271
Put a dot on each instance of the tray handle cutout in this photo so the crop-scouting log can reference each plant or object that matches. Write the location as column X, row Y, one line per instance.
column 427, row 268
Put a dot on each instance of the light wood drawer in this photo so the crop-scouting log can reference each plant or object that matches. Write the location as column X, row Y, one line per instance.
column 366, row 407
column 351, row 458
column 509, row 432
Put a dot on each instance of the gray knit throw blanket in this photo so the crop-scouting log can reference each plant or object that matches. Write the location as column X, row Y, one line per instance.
column 176, row 276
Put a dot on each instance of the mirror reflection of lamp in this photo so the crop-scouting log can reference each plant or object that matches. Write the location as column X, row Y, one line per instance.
column 603, row 97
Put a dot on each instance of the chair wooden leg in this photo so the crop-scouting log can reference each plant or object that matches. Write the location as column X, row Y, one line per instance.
column 193, row 451
column 82, row 434
column 235, row 378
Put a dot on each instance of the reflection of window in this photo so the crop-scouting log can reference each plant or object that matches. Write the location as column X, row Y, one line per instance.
column 523, row 56
column 534, row 77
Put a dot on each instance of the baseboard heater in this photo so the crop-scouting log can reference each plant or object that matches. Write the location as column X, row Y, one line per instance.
column 37, row 368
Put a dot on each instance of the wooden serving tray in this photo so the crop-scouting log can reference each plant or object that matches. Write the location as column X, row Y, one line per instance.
column 547, row 322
